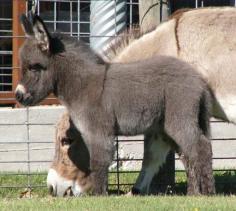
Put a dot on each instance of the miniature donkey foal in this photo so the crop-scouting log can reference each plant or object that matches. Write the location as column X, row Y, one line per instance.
column 157, row 97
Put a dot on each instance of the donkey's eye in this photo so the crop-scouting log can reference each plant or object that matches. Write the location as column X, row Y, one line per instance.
column 36, row 67
column 66, row 141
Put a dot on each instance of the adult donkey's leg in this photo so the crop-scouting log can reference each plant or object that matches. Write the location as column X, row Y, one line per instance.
column 155, row 152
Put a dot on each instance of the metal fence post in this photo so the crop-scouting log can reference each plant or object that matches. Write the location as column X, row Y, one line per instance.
column 107, row 19
column 233, row 3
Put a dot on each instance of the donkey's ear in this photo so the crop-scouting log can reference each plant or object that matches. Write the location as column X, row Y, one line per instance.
column 41, row 34
column 26, row 25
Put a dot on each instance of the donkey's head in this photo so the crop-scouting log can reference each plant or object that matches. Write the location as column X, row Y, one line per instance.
column 38, row 77
column 69, row 173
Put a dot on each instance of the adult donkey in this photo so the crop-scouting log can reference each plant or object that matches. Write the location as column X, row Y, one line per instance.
column 70, row 172
column 206, row 38
column 160, row 97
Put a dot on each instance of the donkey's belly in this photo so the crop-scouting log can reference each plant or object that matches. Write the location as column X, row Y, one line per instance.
column 135, row 124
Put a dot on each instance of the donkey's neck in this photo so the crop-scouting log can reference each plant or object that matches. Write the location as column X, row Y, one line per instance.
column 80, row 78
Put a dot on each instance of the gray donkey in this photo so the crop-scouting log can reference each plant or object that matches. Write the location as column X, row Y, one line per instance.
column 159, row 97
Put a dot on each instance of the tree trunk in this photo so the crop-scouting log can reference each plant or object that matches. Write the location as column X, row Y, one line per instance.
column 149, row 17
column 151, row 13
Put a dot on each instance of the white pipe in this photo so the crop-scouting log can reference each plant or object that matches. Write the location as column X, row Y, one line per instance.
column 107, row 19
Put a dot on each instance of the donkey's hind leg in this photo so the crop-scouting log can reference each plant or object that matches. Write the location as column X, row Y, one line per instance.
column 207, row 183
column 186, row 136
column 196, row 149
column 205, row 178
column 193, row 171
column 155, row 152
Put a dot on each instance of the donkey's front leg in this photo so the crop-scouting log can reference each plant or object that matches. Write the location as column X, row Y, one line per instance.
column 99, row 177
column 101, row 153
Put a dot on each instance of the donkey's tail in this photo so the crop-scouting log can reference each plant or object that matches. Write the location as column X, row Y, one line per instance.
column 217, row 111
column 209, row 107
column 204, row 114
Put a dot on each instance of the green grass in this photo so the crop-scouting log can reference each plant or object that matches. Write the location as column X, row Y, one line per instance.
column 9, row 197
column 226, row 183
column 22, row 181
column 113, row 203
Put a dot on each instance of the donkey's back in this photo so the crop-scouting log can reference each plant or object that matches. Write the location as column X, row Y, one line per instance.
column 140, row 93
column 159, row 97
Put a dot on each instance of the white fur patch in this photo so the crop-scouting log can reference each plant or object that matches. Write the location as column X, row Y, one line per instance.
column 20, row 88
column 60, row 184
column 158, row 150
column 76, row 189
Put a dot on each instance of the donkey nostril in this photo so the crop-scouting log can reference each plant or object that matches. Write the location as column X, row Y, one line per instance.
column 68, row 192
column 50, row 190
column 19, row 96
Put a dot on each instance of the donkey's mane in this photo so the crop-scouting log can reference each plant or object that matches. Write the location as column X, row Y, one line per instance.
column 62, row 43
column 178, row 13
column 119, row 43
column 125, row 38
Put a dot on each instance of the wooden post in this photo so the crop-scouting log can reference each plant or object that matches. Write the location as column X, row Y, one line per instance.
column 149, row 17
column 151, row 13
column 19, row 7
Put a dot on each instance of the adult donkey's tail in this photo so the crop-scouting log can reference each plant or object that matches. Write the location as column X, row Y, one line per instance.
column 209, row 107
column 217, row 110
column 204, row 114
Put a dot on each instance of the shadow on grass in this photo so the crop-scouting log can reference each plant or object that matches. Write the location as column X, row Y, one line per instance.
column 225, row 182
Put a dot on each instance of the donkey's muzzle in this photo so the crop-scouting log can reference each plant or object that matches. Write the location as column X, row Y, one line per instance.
column 22, row 96
column 19, row 96
column 25, row 99
column 50, row 190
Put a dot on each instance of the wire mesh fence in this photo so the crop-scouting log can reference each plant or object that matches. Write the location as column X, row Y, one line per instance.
column 72, row 17
column 5, row 47
column 26, row 156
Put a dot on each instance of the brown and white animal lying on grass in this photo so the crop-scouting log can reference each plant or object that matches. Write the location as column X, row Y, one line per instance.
column 206, row 38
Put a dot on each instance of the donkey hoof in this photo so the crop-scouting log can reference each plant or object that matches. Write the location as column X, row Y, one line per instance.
column 135, row 191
